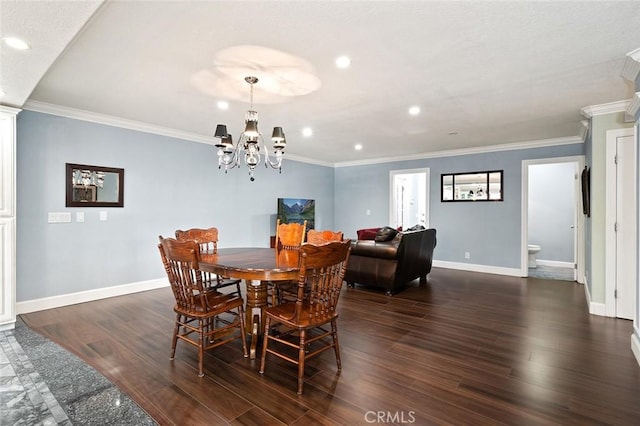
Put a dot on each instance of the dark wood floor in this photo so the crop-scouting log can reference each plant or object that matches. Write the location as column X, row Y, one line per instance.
column 466, row 348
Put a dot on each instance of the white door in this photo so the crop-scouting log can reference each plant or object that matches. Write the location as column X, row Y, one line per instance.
column 625, row 227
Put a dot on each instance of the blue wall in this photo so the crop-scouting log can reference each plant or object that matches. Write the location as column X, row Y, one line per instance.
column 169, row 184
column 489, row 231
column 172, row 183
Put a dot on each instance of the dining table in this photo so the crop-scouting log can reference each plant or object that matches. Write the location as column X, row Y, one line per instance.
column 256, row 266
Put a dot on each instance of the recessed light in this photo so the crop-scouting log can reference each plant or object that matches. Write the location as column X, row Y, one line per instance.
column 307, row 131
column 414, row 110
column 16, row 43
column 357, row 147
column 343, row 62
column 223, row 105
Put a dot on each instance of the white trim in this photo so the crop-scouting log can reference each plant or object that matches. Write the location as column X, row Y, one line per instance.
column 554, row 263
column 110, row 120
column 597, row 309
column 139, row 126
column 634, row 107
column 584, row 130
column 46, row 108
column 594, row 308
column 467, row 151
column 88, row 295
column 580, row 243
column 9, row 110
column 487, row 269
column 8, row 216
column 635, row 345
column 8, row 162
column 631, row 67
column 603, row 109
column 610, row 217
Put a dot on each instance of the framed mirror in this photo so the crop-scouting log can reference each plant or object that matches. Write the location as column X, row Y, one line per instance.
column 94, row 186
column 473, row 186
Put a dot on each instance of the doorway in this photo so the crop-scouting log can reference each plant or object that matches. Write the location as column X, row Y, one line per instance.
column 552, row 219
column 409, row 198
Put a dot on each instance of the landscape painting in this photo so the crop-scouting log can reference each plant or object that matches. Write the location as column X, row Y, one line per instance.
column 297, row 210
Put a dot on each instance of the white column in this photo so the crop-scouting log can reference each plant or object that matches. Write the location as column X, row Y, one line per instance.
column 8, row 217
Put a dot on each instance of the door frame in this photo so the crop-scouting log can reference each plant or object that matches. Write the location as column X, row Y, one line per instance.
column 610, row 217
column 579, row 232
column 427, row 172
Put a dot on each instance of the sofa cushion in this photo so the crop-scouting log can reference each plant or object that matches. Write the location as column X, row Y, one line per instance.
column 385, row 233
column 367, row 233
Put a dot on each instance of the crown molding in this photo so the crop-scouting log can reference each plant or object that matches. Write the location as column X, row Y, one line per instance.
column 634, row 107
column 603, row 109
column 631, row 67
column 467, row 151
column 109, row 120
column 77, row 114
column 293, row 157
column 9, row 110
column 583, row 132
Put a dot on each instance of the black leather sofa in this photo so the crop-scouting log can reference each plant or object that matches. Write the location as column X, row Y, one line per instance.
column 392, row 264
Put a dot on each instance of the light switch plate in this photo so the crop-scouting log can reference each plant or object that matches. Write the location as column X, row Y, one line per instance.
column 59, row 217
column 103, row 216
column 79, row 216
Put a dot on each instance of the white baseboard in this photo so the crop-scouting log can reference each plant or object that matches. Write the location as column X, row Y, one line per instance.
column 498, row 270
column 555, row 263
column 635, row 345
column 88, row 296
column 594, row 308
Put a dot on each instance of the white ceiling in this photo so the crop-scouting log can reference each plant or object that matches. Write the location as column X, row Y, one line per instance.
column 494, row 72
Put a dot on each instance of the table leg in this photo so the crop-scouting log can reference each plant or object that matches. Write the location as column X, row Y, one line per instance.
column 256, row 300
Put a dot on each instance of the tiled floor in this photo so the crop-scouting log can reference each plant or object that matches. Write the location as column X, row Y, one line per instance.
column 43, row 384
column 552, row 273
column 24, row 396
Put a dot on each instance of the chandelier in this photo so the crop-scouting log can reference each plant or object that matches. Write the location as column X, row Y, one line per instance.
column 250, row 142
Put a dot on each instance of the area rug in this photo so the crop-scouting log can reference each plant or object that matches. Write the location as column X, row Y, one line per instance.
column 42, row 383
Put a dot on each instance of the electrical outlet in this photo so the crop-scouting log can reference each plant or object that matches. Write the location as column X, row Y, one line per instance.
column 368, row 212
column 467, row 255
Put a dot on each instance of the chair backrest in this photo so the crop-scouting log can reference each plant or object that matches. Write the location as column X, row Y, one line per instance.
column 321, row 237
column 290, row 236
column 180, row 260
column 322, row 269
column 207, row 238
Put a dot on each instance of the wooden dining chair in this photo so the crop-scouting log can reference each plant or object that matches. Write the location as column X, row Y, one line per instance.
column 199, row 310
column 289, row 236
column 298, row 329
column 207, row 240
column 322, row 237
column 287, row 290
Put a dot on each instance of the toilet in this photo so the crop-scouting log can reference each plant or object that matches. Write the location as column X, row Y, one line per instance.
column 533, row 250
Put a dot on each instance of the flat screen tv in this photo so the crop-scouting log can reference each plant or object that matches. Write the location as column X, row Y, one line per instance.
column 297, row 210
